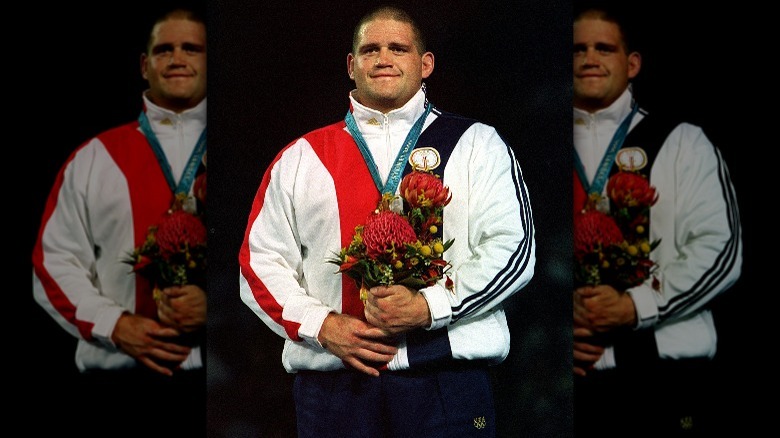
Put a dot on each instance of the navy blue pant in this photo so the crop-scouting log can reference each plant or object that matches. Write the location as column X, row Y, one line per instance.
column 442, row 403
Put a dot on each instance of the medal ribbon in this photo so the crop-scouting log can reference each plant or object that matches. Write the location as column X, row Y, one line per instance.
column 400, row 161
column 188, row 176
column 602, row 174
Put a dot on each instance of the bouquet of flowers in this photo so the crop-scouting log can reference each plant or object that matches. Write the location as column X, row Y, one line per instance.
column 401, row 248
column 174, row 252
column 612, row 247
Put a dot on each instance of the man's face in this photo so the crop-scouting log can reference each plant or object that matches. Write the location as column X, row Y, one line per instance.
column 387, row 67
column 175, row 66
column 602, row 67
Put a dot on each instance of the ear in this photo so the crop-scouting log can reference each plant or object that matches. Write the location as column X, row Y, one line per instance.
column 144, row 66
column 427, row 64
column 634, row 64
column 351, row 66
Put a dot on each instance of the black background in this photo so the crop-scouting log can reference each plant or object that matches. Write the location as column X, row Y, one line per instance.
column 278, row 71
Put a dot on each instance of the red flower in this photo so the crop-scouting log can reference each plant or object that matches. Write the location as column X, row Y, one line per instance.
column 424, row 189
column 348, row 263
column 386, row 231
column 179, row 230
column 630, row 189
column 401, row 247
column 142, row 262
column 594, row 230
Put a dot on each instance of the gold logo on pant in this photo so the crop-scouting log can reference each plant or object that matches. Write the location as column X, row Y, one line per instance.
column 480, row 422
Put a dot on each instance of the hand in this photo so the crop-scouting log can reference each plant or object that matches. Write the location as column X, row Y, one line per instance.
column 585, row 354
column 356, row 343
column 146, row 340
column 602, row 308
column 182, row 307
column 396, row 309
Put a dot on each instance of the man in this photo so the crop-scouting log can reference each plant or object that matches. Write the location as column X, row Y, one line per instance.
column 651, row 373
column 404, row 362
column 132, row 352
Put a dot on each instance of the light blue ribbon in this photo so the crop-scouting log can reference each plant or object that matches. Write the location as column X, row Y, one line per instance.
column 188, row 176
column 400, row 161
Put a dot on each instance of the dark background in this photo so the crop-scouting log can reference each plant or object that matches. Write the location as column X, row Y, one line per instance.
column 279, row 71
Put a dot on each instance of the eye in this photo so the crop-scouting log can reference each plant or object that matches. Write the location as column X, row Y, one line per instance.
column 606, row 49
column 162, row 49
column 192, row 49
column 398, row 50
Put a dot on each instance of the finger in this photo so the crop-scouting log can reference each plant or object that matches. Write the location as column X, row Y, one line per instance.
column 385, row 351
column 164, row 332
column 382, row 345
column 582, row 332
column 174, row 291
column 380, row 291
column 155, row 367
column 369, row 355
column 157, row 354
column 171, row 348
column 579, row 371
column 586, row 354
column 584, row 347
column 586, row 291
column 582, row 357
column 360, row 366
column 586, row 344
column 376, row 334
column 580, row 320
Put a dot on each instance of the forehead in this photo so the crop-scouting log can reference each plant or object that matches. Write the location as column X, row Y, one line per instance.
column 385, row 30
column 596, row 30
column 178, row 30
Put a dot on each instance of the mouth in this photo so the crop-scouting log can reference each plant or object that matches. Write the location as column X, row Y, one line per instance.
column 178, row 76
column 590, row 76
column 384, row 74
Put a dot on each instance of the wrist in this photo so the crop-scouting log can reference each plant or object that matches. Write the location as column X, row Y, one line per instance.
column 629, row 310
column 426, row 319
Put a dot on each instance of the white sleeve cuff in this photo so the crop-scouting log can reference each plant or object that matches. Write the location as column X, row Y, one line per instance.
column 311, row 324
column 105, row 323
column 439, row 305
column 645, row 304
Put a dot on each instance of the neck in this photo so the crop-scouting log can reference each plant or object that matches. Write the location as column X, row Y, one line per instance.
column 175, row 105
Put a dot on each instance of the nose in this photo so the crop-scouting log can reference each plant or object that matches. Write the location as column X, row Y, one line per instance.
column 383, row 57
column 176, row 57
column 588, row 57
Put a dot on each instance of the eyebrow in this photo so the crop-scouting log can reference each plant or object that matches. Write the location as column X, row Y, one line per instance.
column 391, row 45
column 167, row 47
column 603, row 47
column 607, row 47
column 193, row 47
column 160, row 48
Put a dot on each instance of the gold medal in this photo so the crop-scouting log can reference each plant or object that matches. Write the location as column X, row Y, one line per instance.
column 426, row 158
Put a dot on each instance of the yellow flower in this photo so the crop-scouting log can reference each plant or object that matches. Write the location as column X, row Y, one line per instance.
column 425, row 250
column 645, row 247
column 433, row 229
column 438, row 247
column 632, row 250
